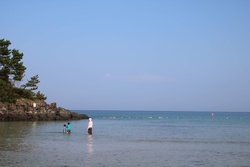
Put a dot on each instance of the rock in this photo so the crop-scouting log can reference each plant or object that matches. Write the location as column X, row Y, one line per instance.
column 28, row 110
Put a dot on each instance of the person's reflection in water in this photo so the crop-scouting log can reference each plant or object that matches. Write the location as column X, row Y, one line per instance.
column 89, row 151
column 34, row 123
column 90, row 146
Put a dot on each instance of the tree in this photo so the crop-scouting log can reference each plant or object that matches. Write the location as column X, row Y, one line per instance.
column 40, row 96
column 32, row 83
column 11, row 67
column 7, row 93
column 12, row 70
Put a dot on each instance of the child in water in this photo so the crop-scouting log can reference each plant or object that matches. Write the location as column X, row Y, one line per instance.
column 68, row 128
column 64, row 128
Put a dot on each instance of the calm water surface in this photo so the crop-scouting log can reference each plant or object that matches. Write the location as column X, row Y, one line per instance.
column 130, row 138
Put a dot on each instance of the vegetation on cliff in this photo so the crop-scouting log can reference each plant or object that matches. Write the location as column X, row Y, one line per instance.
column 12, row 72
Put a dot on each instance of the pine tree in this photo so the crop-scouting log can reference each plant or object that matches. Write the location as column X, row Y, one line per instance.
column 11, row 71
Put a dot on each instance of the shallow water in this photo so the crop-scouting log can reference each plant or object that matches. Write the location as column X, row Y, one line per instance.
column 125, row 138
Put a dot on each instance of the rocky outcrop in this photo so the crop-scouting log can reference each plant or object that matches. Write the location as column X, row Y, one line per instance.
column 27, row 110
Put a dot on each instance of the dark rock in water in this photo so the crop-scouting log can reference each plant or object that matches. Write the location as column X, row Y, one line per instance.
column 38, row 110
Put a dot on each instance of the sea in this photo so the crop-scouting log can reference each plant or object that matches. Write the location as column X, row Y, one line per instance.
column 130, row 139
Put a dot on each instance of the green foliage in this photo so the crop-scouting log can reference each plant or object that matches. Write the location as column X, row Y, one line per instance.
column 7, row 93
column 10, row 62
column 40, row 96
column 32, row 83
column 17, row 68
column 26, row 94
column 11, row 70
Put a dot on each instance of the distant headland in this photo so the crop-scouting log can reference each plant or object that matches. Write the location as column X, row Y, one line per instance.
column 36, row 110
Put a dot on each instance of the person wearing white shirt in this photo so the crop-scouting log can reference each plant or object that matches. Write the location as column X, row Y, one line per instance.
column 90, row 125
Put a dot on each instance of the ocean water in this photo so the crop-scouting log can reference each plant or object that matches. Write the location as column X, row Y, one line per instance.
column 130, row 139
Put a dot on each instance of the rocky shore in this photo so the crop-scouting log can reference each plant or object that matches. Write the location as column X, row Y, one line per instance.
column 27, row 110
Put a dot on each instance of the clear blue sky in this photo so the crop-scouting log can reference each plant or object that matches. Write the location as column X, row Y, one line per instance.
column 178, row 55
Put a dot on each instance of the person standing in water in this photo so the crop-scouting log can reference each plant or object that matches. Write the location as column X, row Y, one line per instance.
column 64, row 128
column 90, row 125
column 68, row 128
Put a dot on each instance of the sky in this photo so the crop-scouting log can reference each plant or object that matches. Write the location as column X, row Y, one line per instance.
column 163, row 55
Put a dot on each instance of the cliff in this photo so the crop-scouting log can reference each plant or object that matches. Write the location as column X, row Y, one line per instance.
column 38, row 110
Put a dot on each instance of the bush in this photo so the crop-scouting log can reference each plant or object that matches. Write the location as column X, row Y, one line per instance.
column 40, row 96
column 24, row 93
column 7, row 93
